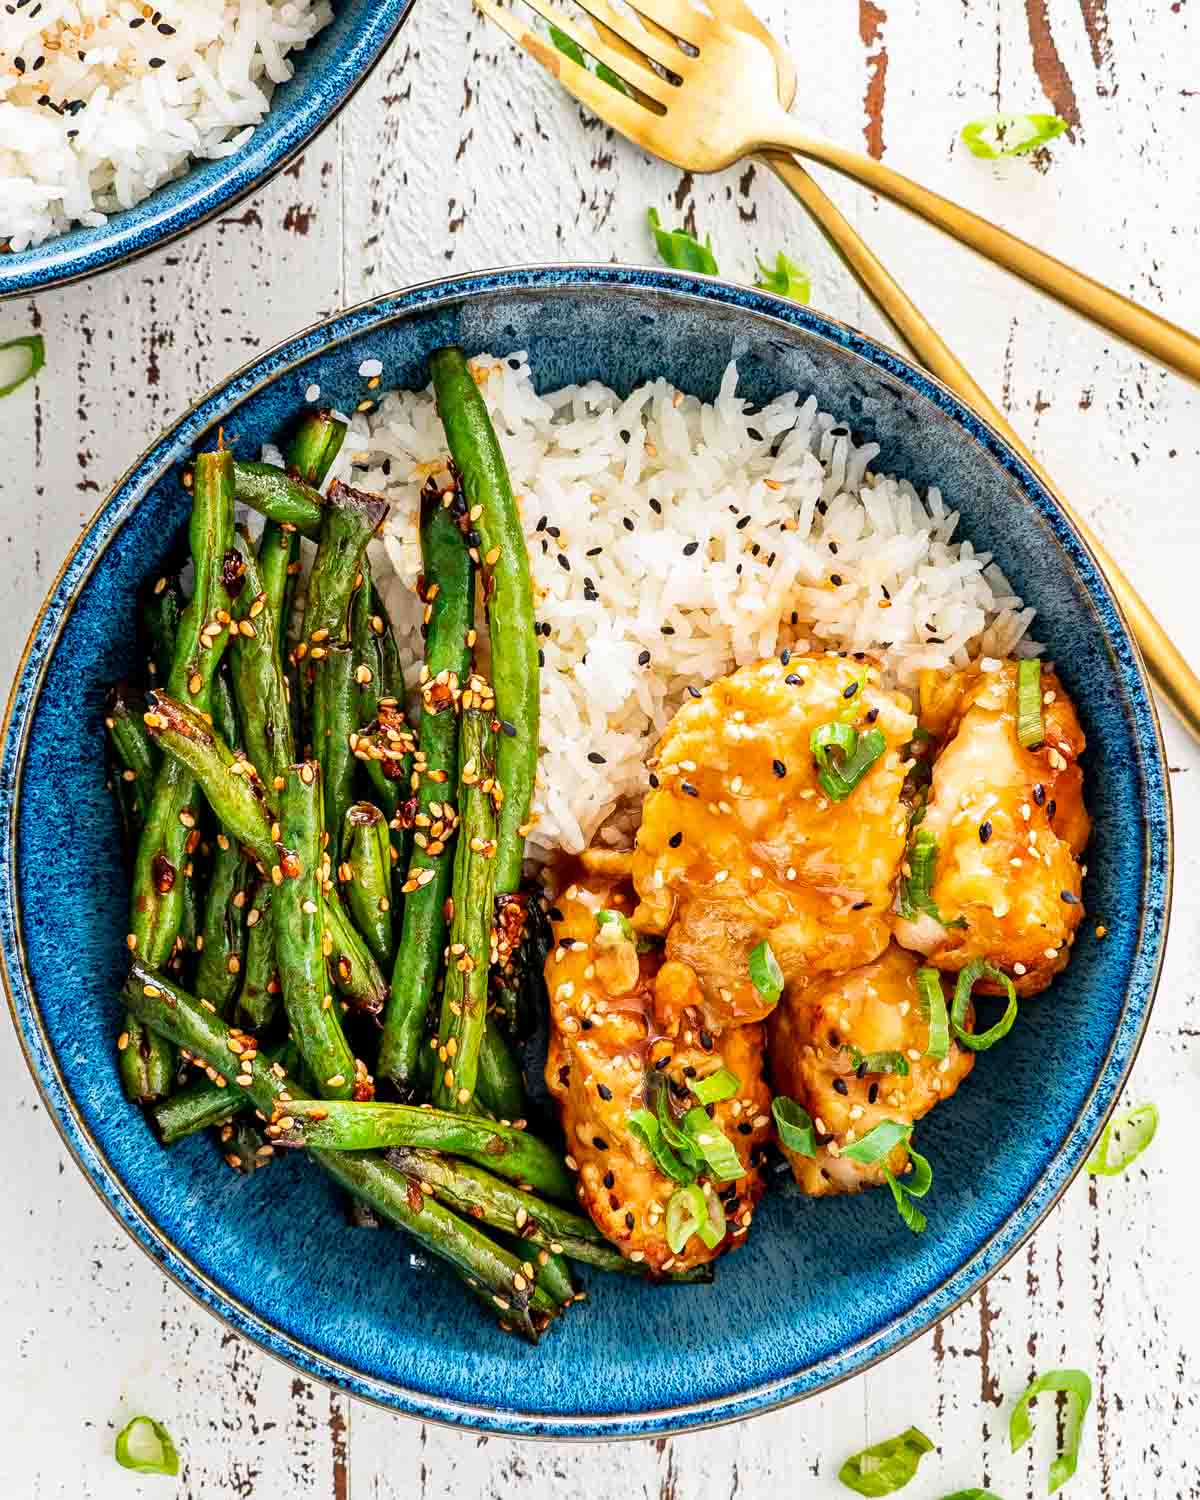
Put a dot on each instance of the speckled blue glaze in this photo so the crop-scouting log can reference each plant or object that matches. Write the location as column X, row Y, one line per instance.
column 327, row 74
column 822, row 1288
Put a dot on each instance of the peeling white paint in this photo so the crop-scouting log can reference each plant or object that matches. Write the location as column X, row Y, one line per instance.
column 427, row 174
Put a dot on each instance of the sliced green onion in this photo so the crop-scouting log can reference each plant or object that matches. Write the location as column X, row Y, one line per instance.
column 571, row 48
column 686, row 1212
column 643, row 1127
column 886, row 1467
column 1011, row 135
column 145, row 1445
column 879, row 1062
column 915, row 1185
column 916, row 887
column 1133, row 1131
column 1031, row 727
column 795, row 1126
column 712, row 1226
column 1077, row 1388
column 678, row 248
column 670, row 1131
column 933, row 1008
column 968, row 977
column 860, row 752
column 26, row 366
column 785, row 280
column 717, row 1086
column 765, row 974
column 609, row 921
column 877, row 1143
column 714, row 1145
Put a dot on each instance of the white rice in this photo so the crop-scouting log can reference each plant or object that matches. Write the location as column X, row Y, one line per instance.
column 722, row 534
column 103, row 100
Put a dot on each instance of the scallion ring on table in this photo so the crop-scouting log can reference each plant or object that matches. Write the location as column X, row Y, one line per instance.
column 1077, row 1388
column 145, row 1446
column 886, row 1467
column 26, row 358
column 933, row 1007
column 968, row 977
column 859, row 754
column 1132, row 1131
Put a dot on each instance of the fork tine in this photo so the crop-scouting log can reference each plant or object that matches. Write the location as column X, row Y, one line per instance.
column 642, row 77
column 738, row 14
column 613, row 107
column 677, row 17
column 633, row 37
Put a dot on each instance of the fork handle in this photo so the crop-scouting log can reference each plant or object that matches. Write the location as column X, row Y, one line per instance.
column 1145, row 330
column 1178, row 683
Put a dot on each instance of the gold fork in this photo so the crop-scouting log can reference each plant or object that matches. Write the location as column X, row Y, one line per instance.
column 622, row 45
column 720, row 104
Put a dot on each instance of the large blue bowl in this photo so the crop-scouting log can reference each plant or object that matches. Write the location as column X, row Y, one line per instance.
column 327, row 73
column 822, row 1289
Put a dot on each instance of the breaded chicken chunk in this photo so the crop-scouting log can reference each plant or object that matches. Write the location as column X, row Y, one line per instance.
column 609, row 1058
column 1009, row 824
column 850, row 1049
column 739, row 842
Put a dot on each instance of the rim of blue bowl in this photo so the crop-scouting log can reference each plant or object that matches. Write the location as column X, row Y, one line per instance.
column 276, row 141
column 991, row 1255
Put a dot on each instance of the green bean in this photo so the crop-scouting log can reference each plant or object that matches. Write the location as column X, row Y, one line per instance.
column 315, row 445
column 334, row 703
column 492, row 511
column 160, row 606
column 145, row 1061
column 299, row 939
column 367, row 855
column 224, row 710
column 366, row 634
column 241, row 803
column 158, row 880
column 498, row 1084
column 223, row 946
column 130, row 818
column 137, row 759
column 179, row 1017
column 260, row 974
column 256, row 664
column 464, row 995
column 449, row 597
column 281, row 497
column 194, row 1107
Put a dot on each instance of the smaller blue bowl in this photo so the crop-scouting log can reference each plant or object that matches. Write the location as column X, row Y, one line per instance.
column 822, row 1288
column 327, row 73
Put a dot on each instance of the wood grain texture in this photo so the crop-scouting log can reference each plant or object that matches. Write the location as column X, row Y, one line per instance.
column 459, row 155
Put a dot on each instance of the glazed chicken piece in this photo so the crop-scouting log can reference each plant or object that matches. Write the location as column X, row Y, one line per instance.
column 740, row 843
column 605, row 1046
column 1009, row 824
column 823, row 1039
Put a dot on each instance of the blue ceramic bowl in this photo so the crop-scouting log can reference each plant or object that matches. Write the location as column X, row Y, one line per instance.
column 327, row 73
column 822, row 1289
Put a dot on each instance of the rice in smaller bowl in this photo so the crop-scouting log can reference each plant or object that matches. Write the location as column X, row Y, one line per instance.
column 673, row 540
column 101, row 101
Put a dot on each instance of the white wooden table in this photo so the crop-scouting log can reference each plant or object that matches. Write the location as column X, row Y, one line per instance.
column 457, row 156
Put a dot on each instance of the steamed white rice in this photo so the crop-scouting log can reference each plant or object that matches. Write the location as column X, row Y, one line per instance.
column 103, row 100
column 672, row 540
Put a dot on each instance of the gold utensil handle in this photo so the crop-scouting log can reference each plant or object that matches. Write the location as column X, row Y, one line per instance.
column 1178, row 683
column 1145, row 330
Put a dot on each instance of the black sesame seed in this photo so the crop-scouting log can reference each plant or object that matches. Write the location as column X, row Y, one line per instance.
column 509, row 729
column 661, row 1063
column 794, row 679
column 564, row 1074
column 666, row 629
column 1039, row 795
column 643, row 658
column 541, row 657
column 840, row 1086
column 754, row 433
column 743, row 523
column 779, row 768
column 629, row 1221
column 694, row 692
column 872, row 716
column 689, row 1071
column 985, row 832
column 655, row 506
column 833, row 547
column 605, row 1093
column 609, row 1180
column 822, row 507
column 850, row 689
column 744, row 1129
column 600, row 1143
column 585, row 1025
column 627, row 523
column 860, row 906
column 554, row 532
column 165, row 30
column 625, row 434
column 593, row 552
column 596, row 758
column 834, row 1039
column 785, row 656
column 563, row 563
column 1070, row 898
column 690, row 548
column 514, row 364
column 555, row 914
column 675, row 840
column 654, row 780
column 836, row 580
column 542, row 523
column 688, row 789
column 157, row 62
column 1051, row 808
column 706, row 1040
